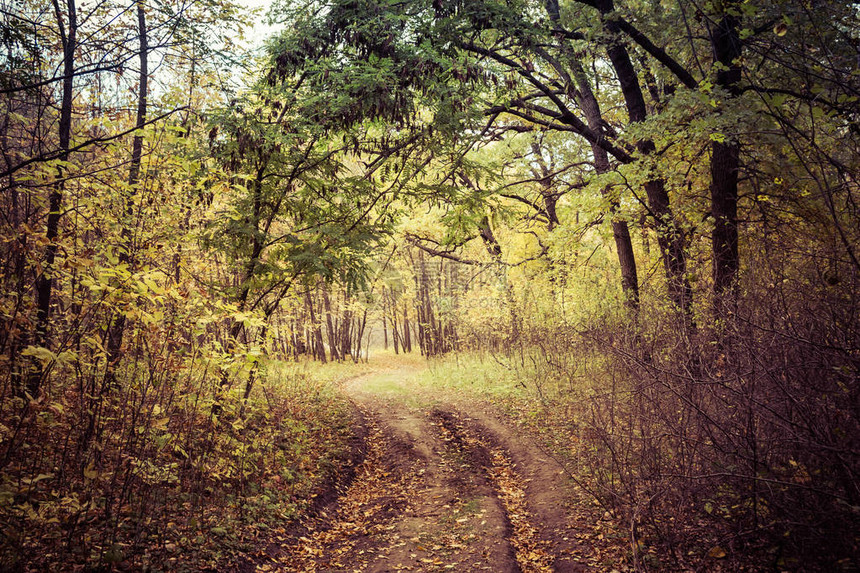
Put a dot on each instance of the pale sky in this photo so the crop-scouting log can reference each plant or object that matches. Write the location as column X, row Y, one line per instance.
column 261, row 31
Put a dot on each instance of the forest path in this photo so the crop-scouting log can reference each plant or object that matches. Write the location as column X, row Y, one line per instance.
column 445, row 485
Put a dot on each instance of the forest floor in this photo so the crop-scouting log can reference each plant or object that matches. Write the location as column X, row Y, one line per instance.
column 445, row 484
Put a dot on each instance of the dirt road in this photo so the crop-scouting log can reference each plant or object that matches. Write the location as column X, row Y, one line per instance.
column 444, row 486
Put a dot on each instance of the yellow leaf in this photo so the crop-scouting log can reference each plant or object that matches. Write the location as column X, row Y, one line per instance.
column 90, row 472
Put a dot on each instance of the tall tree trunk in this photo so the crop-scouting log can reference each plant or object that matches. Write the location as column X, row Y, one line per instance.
column 384, row 320
column 330, row 331
column 421, row 306
column 620, row 230
column 255, row 369
column 407, row 335
column 360, row 326
column 45, row 282
column 346, row 332
column 724, row 172
column 317, row 346
column 237, row 327
column 670, row 236
column 395, row 335
column 672, row 245
column 16, row 336
column 117, row 328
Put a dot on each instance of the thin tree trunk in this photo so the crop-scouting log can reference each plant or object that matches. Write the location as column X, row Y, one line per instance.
column 384, row 321
column 317, row 346
column 407, row 336
column 346, row 332
column 126, row 256
column 254, row 371
column 359, row 334
column 395, row 335
column 330, row 331
column 17, row 337
column 45, row 282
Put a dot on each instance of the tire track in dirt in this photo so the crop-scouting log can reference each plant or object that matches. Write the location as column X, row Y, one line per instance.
column 436, row 491
column 531, row 552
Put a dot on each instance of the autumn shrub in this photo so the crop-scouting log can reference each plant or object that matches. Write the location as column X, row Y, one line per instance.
column 166, row 464
column 736, row 438
column 728, row 441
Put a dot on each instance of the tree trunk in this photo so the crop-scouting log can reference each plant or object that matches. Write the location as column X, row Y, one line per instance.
column 395, row 335
column 407, row 336
column 117, row 328
column 346, row 332
column 317, row 346
column 672, row 245
column 330, row 331
column 360, row 326
column 670, row 236
column 420, row 276
column 724, row 172
column 384, row 319
column 620, row 229
column 45, row 282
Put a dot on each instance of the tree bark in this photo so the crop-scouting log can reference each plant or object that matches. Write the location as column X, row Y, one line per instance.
column 331, row 334
column 407, row 334
column 384, row 319
column 724, row 172
column 670, row 236
column 620, row 230
column 395, row 335
column 317, row 346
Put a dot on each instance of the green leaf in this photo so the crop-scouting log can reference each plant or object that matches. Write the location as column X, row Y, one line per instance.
column 40, row 353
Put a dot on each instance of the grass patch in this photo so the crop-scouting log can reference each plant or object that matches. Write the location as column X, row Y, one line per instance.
column 516, row 387
column 475, row 374
column 531, row 392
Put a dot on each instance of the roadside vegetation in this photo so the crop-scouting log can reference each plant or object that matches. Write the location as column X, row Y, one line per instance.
column 174, row 488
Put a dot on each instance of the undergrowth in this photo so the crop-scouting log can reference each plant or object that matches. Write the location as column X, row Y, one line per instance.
column 159, row 480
